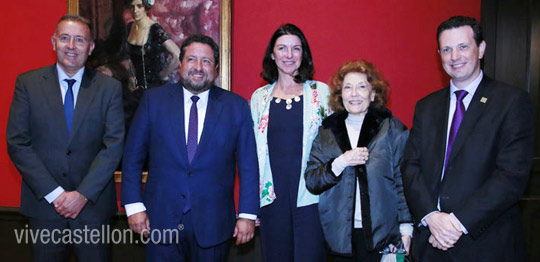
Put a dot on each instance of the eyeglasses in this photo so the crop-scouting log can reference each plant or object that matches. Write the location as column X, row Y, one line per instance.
column 79, row 40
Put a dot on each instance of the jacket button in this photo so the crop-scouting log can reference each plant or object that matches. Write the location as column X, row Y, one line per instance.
column 64, row 174
column 189, row 174
column 183, row 196
column 68, row 152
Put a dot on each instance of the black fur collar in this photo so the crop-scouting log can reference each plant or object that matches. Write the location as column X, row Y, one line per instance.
column 370, row 127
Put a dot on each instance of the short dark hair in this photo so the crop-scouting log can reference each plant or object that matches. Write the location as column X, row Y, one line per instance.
column 203, row 39
column 306, row 70
column 77, row 19
column 374, row 77
column 459, row 21
column 147, row 6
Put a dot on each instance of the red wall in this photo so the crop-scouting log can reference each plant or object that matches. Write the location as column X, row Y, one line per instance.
column 27, row 27
column 398, row 38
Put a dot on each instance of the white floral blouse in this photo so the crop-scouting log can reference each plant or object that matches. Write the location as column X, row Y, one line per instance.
column 316, row 95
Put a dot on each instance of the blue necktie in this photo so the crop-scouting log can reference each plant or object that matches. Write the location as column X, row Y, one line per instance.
column 69, row 103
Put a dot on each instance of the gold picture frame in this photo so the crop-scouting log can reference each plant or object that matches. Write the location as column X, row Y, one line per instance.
column 224, row 50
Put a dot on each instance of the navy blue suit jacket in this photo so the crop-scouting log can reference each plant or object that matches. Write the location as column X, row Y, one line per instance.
column 227, row 139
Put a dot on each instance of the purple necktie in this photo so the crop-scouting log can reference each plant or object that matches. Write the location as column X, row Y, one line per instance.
column 456, row 121
column 69, row 103
column 193, row 129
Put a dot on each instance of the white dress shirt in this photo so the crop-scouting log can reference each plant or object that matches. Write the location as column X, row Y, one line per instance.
column 202, row 105
column 471, row 89
column 63, row 89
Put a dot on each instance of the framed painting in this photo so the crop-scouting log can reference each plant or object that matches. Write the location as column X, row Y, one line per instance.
column 111, row 21
column 179, row 18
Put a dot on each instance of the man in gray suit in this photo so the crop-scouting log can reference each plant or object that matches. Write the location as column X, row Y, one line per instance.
column 65, row 136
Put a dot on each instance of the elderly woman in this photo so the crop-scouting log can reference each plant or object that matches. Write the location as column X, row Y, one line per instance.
column 354, row 167
column 287, row 114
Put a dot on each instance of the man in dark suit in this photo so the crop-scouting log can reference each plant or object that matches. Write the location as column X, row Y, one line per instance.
column 65, row 136
column 194, row 135
column 468, row 158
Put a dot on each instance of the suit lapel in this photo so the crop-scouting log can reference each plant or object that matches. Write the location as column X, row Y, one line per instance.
column 440, row 124
column 179, row 123
column 51, row 90
column 86, row 94
column 213, row 112
column 471, row 117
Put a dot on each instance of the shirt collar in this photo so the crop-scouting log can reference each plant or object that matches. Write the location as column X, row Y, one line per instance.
column 62, row 75
column 470, row 88
column 203, row 97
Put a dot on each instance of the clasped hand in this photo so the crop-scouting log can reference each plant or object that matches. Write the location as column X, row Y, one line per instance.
column 69, row 204
column 445, row 230
column 356, row 156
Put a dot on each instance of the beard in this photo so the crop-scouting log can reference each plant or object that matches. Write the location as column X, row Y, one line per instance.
column 193, row 87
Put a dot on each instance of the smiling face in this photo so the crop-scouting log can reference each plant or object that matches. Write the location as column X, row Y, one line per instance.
column 460, row 55
column 357, row 93
column 198, row 69
column 73, row 45
column 137, row 10
column 288, row 54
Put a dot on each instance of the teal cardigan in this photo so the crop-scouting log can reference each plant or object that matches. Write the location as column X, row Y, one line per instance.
column 316, row 95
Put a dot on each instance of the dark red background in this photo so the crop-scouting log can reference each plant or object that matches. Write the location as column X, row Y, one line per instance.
column 397, row 36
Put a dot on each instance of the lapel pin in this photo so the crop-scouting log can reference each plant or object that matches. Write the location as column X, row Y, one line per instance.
column 483, row 100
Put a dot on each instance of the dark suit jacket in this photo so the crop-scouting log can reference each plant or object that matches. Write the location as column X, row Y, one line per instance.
column 486, row 174
column 46, row 157
column 227, row 138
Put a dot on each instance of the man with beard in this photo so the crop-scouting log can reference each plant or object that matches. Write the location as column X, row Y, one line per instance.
column 194, row 135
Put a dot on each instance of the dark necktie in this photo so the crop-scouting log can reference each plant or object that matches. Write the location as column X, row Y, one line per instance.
column 69, row 103
column 193, row 129
column 456, row 122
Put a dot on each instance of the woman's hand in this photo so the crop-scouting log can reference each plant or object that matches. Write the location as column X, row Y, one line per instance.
column 356, row 156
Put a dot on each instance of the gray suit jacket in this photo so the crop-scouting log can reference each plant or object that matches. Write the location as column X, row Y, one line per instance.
column 46, row 157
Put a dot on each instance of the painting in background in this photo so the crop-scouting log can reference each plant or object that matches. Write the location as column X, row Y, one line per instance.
column 114, row 56
column 179, row 18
